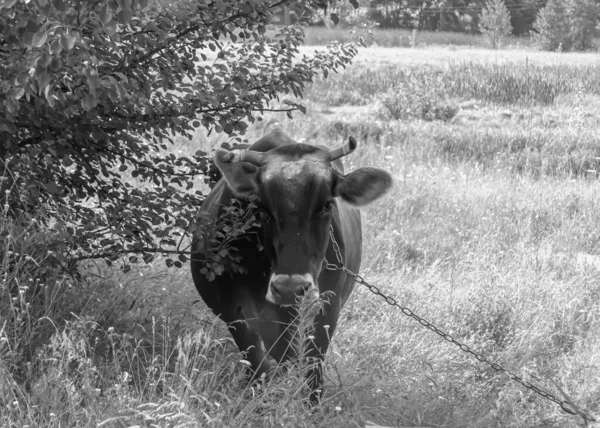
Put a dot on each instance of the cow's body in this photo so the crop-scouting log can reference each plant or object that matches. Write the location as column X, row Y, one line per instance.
column 258, row 305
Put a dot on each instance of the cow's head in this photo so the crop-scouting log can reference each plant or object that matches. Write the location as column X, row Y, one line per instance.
column 296, row 189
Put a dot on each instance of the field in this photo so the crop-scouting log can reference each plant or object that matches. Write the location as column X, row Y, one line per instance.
column 395, row 37
column 490, row 233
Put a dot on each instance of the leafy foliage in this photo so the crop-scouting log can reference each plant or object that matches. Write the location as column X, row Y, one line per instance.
column 236, row 221
column 494, row 22
column 584, row 18
column 447, row 15
column 566, row 26
column 552, row 27
column 92, row 94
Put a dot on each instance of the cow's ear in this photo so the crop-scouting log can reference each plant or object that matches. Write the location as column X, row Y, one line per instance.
column 242, row 177
column 363, row 185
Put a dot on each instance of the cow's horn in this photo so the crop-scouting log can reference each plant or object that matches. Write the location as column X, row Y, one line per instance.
column 251, row 156
column 344, row 150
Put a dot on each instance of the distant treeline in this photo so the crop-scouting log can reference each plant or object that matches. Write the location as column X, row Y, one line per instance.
column 448, row 15
column 429, row 15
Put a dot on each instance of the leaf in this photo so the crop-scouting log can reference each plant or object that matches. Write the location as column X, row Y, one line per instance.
column 43, row 80
column 110, row 28
column 124, row 16
column 68, row 41
column 183, row 258
column 39, row 39
column 51, row 188
column 121, row 92
column 49, row 96
column 334, row 18
column 88, row 102
column 18, row 93
column 354, row 3
column 105, row 15
column 56, row 47
column 21, row 79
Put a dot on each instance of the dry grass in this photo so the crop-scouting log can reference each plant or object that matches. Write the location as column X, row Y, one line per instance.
column 491, row 232
column 440, row 56
column 387, row 37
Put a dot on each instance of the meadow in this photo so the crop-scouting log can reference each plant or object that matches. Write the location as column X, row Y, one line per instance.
column 490, row 233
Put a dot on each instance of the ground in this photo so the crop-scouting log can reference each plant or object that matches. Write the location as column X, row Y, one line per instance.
column 490, row 233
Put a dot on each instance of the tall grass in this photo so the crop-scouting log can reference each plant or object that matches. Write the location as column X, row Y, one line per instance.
column 490, row 232
column 506, row 83
column 318, row 36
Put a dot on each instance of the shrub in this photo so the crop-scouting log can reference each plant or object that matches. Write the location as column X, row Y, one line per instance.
column 494, row 22
column 93, row 94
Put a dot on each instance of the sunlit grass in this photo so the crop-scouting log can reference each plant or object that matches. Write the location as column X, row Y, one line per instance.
column 490, row 232
column 388, row 37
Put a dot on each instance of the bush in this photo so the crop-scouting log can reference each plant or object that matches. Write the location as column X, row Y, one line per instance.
column 93, row 94
column 494, row 22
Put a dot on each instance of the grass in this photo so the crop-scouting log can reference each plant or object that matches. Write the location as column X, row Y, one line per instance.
column 490, row 232
column 504, row 83
column 387, row 37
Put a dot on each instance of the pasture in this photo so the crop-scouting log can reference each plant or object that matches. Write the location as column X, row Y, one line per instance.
column 491, row 232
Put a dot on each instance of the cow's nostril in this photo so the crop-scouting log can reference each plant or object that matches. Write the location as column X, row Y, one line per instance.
column 306, row 286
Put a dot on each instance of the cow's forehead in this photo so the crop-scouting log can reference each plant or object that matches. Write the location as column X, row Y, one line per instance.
column 297, row 170
column 293, row 184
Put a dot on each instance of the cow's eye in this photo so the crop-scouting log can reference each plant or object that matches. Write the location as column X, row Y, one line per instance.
column 327, row 208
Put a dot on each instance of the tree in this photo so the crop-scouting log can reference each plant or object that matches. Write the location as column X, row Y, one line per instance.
column 552, row 27
column 522, row 14
column 567, row 25
column 93, row 93
column 494, row 22
column 457, row 15
column 584, row 18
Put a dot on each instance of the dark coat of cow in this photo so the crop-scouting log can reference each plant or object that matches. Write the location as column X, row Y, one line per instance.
column 300, row 192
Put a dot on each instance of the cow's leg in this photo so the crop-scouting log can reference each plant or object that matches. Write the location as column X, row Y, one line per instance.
column 239, row 313
column 248, row 341
column 277, row 329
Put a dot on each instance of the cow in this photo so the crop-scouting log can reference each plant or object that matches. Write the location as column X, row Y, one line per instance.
column 301, row 195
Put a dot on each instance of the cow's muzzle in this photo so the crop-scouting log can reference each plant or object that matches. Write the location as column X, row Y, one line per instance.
column 285, row 290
